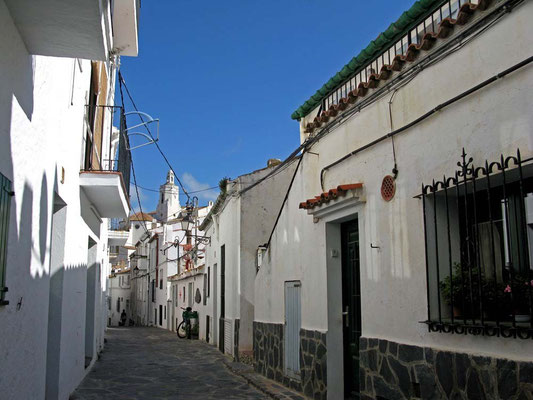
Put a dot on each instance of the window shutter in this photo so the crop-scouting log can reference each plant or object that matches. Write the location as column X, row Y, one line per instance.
column 5, row 203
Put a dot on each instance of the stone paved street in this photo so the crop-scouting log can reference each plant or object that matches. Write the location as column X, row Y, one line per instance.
column 151, row 363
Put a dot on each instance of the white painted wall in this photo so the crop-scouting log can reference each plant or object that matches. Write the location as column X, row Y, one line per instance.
column 42, row 106
column 119, row 293
column 494, row 120
column 243, row 223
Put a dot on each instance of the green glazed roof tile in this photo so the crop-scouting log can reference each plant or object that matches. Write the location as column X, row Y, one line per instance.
column 381, row 43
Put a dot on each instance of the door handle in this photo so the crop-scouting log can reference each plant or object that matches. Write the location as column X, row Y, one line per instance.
column 345, row 316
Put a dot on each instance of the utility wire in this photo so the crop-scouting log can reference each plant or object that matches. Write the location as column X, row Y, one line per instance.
column 122, row 81
column 131, row 158
column 194, row 191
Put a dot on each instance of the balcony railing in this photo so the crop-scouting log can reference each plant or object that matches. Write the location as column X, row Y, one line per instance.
column 448, row 9
column 118, row 224
column 106, row 148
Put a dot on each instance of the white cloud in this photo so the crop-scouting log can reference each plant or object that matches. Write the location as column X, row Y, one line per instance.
column 192, row 185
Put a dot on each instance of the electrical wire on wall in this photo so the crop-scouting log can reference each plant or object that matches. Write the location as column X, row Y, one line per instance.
column 395, row 167
column 447, row 49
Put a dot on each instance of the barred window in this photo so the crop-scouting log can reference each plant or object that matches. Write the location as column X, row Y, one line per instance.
column 479, row 240
column 5, row 202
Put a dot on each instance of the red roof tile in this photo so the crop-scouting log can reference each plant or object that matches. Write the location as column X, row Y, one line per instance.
column 141, row 217
column 428, row 40
column 326, row 197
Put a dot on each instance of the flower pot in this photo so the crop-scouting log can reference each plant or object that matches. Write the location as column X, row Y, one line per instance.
column 521, row 317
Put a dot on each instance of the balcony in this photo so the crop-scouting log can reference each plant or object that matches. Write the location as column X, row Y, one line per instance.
column 125, row 27
column 105, row 175
column 118, row 232
column 77, row 28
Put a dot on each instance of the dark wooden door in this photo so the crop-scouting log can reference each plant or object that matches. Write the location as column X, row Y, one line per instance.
column 351, row 302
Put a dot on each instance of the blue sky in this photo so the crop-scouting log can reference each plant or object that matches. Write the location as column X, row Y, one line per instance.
column 224, row 77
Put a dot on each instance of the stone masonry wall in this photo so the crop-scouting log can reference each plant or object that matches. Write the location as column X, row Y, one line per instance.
column 391, row 371
column 313, row 363
column 268, row 353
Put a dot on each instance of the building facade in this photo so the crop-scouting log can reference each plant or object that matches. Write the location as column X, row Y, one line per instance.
column 61, row 180
column 119, row 297
column 383, row 279
column 240, row 220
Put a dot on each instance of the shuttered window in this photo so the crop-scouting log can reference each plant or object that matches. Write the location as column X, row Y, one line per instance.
column 5, row 201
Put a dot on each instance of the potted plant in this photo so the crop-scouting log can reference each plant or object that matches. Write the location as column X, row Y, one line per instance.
column 463, row 287
column 517, row 297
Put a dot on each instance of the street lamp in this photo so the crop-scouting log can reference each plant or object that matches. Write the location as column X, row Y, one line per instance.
column 186, row 221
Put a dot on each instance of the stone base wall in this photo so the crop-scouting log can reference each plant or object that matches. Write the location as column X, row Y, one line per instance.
column 391, row 371
column 269, row 358
column 268, row 353
column 313, row 363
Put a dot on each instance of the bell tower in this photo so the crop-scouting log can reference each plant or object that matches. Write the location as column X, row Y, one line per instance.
column 168, row 204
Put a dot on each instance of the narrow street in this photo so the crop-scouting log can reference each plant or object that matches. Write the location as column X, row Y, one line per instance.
column 151, row 363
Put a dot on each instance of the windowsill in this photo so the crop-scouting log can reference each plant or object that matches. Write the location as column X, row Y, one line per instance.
column 506, row 329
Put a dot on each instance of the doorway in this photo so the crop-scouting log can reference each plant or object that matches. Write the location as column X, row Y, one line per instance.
column 221, row 332
column 351, row 306
column 55, row 299
column 214, row 320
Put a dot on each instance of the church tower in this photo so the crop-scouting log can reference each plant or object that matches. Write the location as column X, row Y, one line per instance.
column 168, row 204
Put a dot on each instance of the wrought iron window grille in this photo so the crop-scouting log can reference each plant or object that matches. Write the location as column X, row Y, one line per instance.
column 478, row 242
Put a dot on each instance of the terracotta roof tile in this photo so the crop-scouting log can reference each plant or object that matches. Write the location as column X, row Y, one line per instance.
column 141, row 217
column 331, row 194
column 444, row 30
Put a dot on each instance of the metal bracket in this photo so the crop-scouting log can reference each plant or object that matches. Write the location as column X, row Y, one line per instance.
column 9, row 192
column 150, row 139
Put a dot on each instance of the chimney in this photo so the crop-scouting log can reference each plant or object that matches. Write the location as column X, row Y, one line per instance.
column 273, row 162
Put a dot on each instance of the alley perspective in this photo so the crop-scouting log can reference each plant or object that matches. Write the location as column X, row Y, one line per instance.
column 176, row 236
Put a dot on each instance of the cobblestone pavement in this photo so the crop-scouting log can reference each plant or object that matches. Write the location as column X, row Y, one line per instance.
column 151, row 363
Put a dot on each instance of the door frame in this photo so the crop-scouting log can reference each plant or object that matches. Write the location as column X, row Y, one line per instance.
column 348, row 290
column 335, row 338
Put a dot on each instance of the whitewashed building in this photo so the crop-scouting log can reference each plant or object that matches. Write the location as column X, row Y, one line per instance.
column 162, row 254
column 119, row 296
column 188, row 284
column 383, row 279
column 60, row 182
column 240, row 220
column 140, row 281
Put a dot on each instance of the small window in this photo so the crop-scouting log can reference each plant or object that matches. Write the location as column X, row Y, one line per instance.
column 209, row 281
column 205, row 289
column 478, row 237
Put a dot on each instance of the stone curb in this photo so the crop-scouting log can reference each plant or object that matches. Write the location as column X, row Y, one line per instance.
column 247, row 373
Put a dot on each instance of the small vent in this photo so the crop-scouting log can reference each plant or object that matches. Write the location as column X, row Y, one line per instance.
column 388, row 188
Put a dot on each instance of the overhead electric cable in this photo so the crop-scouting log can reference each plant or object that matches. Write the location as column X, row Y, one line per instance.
column 194, row 191
column 122, row 81
column 132, row 167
